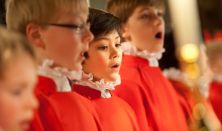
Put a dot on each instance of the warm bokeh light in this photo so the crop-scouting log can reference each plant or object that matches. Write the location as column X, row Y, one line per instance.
column 189, row 52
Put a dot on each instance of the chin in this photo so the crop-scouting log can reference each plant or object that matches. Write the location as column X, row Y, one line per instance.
column 155, row 49
column 77, row 67
column 114, row 77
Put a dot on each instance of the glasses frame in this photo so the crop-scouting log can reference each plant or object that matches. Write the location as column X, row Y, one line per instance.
column 79, row 28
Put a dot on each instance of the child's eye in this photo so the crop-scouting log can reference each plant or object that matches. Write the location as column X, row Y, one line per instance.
column 17, row 92
column 118, row 45
column 103, row 47
column 152, row 16
column 145, row 16
column 160, row 14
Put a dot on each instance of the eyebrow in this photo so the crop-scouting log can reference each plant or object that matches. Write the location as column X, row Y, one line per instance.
column 150, row 8
column 144, row 8
column 117, row 37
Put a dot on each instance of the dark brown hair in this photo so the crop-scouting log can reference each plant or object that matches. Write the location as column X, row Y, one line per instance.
column 102, row 23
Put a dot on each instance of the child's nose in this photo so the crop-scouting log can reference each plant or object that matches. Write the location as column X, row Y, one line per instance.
column 88, row 36
column 32, row 102
column 115, row 53
column 158, row 21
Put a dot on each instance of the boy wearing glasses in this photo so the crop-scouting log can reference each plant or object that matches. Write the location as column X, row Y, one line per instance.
column 143, row 86
column 60, row 35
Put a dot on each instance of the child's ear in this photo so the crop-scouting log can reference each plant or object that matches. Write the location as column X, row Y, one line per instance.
column 34, row 36
column 125, row 32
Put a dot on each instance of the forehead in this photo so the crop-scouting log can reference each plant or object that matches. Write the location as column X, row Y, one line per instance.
column 22, row 61
column 72, row 12
column 111, row 35
column 142, row 8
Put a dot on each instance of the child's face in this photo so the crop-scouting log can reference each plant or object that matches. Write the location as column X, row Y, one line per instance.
column 145, row 28
column 17, row 100
column 66, row 45
column 216, row 65
column 105, row 57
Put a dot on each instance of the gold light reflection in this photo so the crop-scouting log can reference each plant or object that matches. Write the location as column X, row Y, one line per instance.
column 189, row 53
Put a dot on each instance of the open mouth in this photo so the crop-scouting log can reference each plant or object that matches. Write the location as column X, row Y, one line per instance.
column 115, row 65
column 25, row 125
column 159, row 35
column 82, row 56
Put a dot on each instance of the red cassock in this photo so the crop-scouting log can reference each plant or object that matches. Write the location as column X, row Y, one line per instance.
column 215, row 97
column 186, row 98
column 114, row 113
column 62, row 111
column 150, row 94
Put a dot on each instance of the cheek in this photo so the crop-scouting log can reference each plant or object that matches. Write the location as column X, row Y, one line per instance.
column 218, row 68
column 69, row 48
column 96, row 65
column 9, row 112
column 72, row 43
column 121, row 57
column 100, row 63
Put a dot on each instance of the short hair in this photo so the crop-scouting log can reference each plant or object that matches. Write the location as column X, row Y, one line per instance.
column 11, row 45
column 214, row 51
column 102, row 23
column 19, row 13
column 123, row 9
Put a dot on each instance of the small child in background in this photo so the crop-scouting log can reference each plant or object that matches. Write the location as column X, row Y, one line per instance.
column 214, row 54
column 18, row 76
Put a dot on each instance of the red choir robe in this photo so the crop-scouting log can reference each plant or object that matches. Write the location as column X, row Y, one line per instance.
column 62, row 111
column 150, row 94
column 215, row 97
column 186, row 98
column 114, row 113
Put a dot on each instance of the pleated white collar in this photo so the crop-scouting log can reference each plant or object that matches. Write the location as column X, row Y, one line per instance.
column 101, row 85
column 60, row 75
column 129, row 49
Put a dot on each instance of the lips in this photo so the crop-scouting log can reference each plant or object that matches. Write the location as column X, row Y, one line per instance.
column 25, row 125
column 115, row 65
column 82, row 57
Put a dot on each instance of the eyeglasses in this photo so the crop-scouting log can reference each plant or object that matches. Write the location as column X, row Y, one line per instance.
column 81, row 28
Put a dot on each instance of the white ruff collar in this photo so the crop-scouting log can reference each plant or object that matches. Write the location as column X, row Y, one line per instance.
column 101, row 85
column 129, row 49
column 60, row 75
column 218, row 78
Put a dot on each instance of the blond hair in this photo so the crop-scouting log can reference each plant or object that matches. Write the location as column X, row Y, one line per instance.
column 214, row 51
column 11, row 45
column 19, row 13
column 123, row 9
